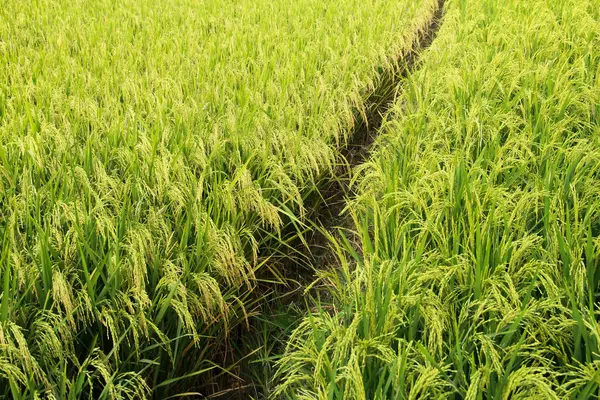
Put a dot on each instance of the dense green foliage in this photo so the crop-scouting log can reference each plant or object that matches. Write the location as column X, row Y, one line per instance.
column 147, row 149
column 477, row 270
column 156, row 158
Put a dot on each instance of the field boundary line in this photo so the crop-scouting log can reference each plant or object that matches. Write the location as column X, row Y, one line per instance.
column 328, row 216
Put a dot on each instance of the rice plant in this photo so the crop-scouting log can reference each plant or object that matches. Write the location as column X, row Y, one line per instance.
column 477, row 267
column 149, row 151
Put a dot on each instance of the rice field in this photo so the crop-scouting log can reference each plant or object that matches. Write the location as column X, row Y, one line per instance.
column 162, row 163
column 473, row 266
column 150, row 151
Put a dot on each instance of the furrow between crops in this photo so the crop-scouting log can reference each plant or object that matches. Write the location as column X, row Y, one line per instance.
column 329, row 215
column 326, row 209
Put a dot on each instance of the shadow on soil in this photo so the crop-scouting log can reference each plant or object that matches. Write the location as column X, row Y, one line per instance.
column 251, row 378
